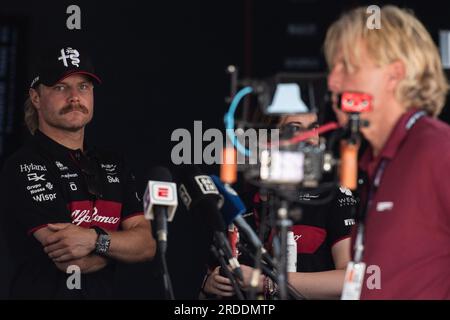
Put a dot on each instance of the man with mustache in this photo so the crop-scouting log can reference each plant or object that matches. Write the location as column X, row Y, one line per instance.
column 69, row 206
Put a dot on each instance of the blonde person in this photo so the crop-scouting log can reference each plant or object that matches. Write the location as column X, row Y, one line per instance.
column 407, row 225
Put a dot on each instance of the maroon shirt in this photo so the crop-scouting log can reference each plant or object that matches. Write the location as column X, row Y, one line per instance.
column 408, row 224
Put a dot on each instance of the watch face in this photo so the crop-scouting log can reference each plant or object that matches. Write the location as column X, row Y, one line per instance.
column 103, row 243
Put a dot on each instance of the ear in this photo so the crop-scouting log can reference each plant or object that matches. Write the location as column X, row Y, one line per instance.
column 396, row 73
column 35, row 98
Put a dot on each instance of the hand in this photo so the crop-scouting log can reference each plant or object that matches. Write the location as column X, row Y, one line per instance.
column 69, row 242
column 216, row 284
column 247, row 273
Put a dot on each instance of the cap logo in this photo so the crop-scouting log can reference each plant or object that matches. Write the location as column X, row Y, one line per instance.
column 70, row 54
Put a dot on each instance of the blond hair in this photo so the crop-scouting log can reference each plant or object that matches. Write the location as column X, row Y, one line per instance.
column 401, row 37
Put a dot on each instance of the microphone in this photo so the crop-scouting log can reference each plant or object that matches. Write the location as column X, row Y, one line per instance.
column 200, row 195
column 353, row 103
column 160, row 202
column 232, row 211
column 348, row 172
column 228, row 168
column 348, row 169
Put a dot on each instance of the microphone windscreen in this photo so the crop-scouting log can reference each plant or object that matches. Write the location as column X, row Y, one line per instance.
column 160, row 173
column 201, row 197
column 195, row 186
column 233, row 205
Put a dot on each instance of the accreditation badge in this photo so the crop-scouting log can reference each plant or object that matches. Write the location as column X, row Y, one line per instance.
column 354, row 277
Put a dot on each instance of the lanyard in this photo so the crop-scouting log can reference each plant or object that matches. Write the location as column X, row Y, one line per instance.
column 359, row 241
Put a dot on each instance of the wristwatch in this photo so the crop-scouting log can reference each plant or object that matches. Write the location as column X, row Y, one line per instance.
column 103, row 241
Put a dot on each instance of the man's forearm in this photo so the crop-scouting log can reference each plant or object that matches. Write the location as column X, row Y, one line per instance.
column 318, row 285
column 88, row 264
column 133, row 245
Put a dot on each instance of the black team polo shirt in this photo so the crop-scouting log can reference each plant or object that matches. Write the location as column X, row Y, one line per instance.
column 45, row 182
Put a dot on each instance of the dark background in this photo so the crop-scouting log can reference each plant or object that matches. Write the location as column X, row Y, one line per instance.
column 163, row 66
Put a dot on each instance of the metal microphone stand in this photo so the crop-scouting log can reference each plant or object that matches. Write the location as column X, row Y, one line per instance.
column 283, row 224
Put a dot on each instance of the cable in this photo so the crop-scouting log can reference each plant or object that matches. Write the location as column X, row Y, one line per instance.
column 257, row 259
column 306, row 135
column 229, row 120
column 166, row 279
column 272, row 274
column 219, row 255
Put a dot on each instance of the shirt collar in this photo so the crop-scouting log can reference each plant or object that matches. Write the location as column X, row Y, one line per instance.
column 52, row 146
column 368, row 163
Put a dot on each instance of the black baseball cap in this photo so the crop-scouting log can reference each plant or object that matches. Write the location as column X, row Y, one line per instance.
column 60, row 62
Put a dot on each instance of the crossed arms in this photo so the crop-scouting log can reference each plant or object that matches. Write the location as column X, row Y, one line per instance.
column 67, row 244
